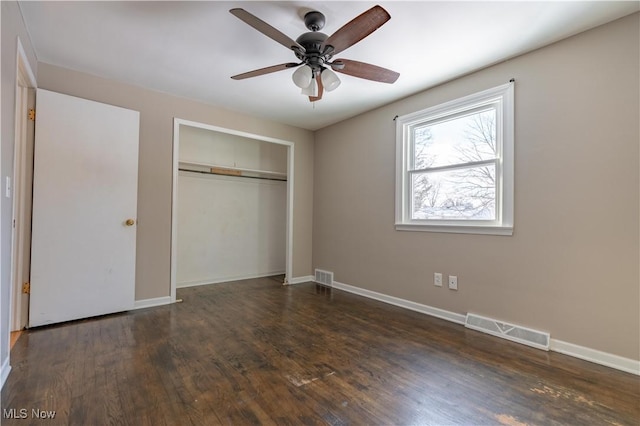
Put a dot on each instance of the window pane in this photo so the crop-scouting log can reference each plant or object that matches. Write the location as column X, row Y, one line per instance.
column 463, row 139
column 460, row 194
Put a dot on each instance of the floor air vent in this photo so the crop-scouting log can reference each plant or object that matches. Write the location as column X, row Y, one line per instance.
column 324, row 277
column 526, row 336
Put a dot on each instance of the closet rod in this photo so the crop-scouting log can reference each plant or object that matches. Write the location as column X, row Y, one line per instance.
column 240, row 175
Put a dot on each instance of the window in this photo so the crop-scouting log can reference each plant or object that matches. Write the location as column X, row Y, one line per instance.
column 454, row 165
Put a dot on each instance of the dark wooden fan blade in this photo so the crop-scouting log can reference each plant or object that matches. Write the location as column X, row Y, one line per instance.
column 367, row 71
column 265, row 70
column 265, row 28
column 320, row 91
column 357, row 29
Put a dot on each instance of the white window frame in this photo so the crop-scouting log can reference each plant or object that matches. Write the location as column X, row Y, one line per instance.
column 503, row 98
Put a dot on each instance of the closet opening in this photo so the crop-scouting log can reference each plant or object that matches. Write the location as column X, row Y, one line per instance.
column 232, row 204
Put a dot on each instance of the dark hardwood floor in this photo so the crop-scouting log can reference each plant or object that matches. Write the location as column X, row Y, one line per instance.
column 256, row 352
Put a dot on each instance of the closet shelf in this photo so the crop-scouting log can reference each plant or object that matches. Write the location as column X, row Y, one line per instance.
column 199, row 167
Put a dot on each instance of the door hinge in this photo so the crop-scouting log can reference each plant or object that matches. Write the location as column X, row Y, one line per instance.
column 32, row 114
column 26, row 288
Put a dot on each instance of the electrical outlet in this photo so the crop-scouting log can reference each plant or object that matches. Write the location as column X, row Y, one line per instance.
column 437, row 279
column 453, row 282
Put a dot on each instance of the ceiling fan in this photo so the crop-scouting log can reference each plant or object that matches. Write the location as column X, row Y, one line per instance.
column 315, row 50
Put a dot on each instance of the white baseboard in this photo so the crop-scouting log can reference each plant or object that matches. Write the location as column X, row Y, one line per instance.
column 148, row 303
column 592, row 355
column 576, row 351
column 227, row 279
column 300, row 280
column 4, row 372
column 403, row 303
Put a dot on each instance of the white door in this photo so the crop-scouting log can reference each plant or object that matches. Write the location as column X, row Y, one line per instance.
column 84, row 209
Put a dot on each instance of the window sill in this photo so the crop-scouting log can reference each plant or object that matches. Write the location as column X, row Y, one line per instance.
column 457, row 229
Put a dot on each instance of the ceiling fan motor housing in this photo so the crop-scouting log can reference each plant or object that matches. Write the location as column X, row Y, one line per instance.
column 313, row 43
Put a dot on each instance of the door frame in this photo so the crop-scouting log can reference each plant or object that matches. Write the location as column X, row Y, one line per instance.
column 177, row 122
column 25, row 81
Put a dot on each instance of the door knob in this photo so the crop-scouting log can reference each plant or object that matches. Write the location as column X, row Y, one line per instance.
column 130, row 222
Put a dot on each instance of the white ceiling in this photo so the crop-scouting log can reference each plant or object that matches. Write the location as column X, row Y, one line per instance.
column 191, row 49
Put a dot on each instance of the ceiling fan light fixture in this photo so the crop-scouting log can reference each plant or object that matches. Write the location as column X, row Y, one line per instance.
column 330, row 79
column 302, row 77
column 311, row 89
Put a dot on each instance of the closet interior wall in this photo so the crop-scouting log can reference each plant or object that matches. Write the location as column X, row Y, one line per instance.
column 232, row 198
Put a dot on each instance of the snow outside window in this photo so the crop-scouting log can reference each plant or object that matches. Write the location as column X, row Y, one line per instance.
column 455, row 165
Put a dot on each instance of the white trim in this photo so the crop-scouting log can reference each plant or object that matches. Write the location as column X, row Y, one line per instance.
column 403, row 303
column 598, row 357
column 174, row 209
column 149, row 303
column 177, row 122
column 17, row 203
column 185, row 284
column 587, row 354
column 457, row 229
column 300, row 280
column 4, row 372
column 25, row 80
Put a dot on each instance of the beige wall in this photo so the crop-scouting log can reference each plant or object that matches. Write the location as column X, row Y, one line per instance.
column 571, row 266
column 12, row 28
column 157, row 111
